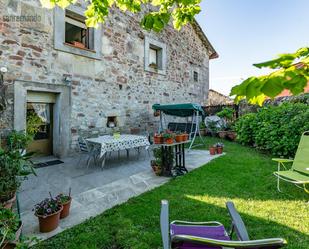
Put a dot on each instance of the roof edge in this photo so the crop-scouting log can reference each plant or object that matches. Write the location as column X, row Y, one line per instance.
column 213, row 53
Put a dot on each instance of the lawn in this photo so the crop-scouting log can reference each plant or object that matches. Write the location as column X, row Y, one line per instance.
column 243, row 175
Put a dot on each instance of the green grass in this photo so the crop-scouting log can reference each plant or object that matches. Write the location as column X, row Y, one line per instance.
column 243, row 175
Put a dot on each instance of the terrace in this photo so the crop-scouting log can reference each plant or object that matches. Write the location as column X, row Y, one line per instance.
column 93, row 190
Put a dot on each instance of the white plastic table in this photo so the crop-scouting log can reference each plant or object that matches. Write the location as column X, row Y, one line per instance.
column 109, row 143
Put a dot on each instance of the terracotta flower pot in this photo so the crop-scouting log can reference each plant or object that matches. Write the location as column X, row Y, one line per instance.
column 78, row 44
column 212, row 151
column 179, row 138
column 12, row 244
column 157, row 170
column 185, row 137
column 50, row 222
column 232, row 135
column 222, row 134
column 219, row 150
column 66, row 209
column 9, row 203
column 169, row 140
column 158, row 139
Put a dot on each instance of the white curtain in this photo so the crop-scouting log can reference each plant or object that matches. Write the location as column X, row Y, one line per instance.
column 42, row 110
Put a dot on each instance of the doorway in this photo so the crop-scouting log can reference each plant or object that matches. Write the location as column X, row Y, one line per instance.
column 39, row 122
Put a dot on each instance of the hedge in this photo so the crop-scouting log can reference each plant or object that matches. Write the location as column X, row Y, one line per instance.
column 275, row 129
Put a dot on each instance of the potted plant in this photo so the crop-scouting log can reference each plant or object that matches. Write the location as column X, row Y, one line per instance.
column 185, row 136
column 15, row 165
column 18, row 140
column 78, row 44
column 226, row 128
column 158, row 138
column 156, row 113
column 10, row 229
column 153, row 65
column 232, row 135
column 212, row 126
column 212, row 150
column 65, row 201
column 48, row 212
column 219, row 148
column 156, row 164
column 168, row 138
column 179, row 137
column 203, row 131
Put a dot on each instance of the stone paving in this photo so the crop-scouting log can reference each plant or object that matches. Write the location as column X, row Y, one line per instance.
column 93, row 190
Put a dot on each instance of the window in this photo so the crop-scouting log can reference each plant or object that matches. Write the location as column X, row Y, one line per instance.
column 73, row 36
column 195, row 76
column 155, row 56
column 76, row 31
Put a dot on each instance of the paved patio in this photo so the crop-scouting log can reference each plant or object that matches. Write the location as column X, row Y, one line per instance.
column 93, row 190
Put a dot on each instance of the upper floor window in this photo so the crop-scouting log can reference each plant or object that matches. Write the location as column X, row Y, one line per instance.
column 195, row 76
column 76, row 31
column 73, row 36
column 155, row 56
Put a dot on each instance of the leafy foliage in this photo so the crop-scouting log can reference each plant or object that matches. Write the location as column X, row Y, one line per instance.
column 161, row 11
column 47, row 207
column 227, row 114
column 15, row 165
column 276, row 129
column 9, row 223
column 18, row 140
column 33, row 124
column 292, row 73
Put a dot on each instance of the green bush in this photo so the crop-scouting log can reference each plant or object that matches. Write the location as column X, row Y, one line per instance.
column 276, row 129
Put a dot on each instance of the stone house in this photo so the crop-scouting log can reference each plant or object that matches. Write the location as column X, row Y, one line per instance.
column 80, row 80
column 217, row 98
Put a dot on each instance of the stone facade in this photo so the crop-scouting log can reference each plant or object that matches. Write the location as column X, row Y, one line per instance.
column 116, row 84
column 216, row 98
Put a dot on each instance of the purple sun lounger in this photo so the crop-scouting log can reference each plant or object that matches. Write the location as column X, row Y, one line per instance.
column 210, row 235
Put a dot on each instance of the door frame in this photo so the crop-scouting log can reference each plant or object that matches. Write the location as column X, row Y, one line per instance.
column 61, row 111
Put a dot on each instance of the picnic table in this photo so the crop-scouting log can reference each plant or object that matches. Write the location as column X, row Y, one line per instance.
column 110, row 143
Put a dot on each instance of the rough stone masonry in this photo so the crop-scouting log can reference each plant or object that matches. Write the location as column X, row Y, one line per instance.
column 115, row 84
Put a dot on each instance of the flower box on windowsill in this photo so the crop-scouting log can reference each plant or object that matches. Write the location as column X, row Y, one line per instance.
column 153, row 66
column 84, row 48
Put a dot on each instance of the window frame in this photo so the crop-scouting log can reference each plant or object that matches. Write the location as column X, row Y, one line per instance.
column 197, row 75
column 59, row 35
column 161, row 56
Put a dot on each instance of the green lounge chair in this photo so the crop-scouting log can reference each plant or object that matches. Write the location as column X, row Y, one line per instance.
column 299, row 172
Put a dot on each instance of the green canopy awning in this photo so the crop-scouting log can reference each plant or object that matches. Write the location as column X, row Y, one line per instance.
column 179, row 110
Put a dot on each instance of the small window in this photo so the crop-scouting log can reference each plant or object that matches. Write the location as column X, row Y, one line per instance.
column 195, row 76
column 76, row 31
column 155, row 56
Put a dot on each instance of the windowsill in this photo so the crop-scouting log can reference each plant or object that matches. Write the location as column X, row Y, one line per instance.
column 71, row 45
column 157, row 71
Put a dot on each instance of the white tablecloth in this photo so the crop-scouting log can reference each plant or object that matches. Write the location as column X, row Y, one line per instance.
column 124, row 142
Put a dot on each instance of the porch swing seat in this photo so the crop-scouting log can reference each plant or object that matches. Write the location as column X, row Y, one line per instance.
column 184, row 110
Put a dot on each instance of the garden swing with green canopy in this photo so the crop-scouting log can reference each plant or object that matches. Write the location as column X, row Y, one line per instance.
column 184, row 110
column 299, row 172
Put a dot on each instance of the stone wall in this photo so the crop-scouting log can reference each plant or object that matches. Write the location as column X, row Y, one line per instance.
column 115, row 85
column 216, row 98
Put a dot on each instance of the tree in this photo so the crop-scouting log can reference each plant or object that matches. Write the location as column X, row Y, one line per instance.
column 292, row 73
column 180, row 11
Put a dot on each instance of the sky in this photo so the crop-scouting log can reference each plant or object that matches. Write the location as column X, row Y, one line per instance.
column 244, row 32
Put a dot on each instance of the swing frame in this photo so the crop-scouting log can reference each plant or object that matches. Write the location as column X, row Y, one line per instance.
column 186, row 110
